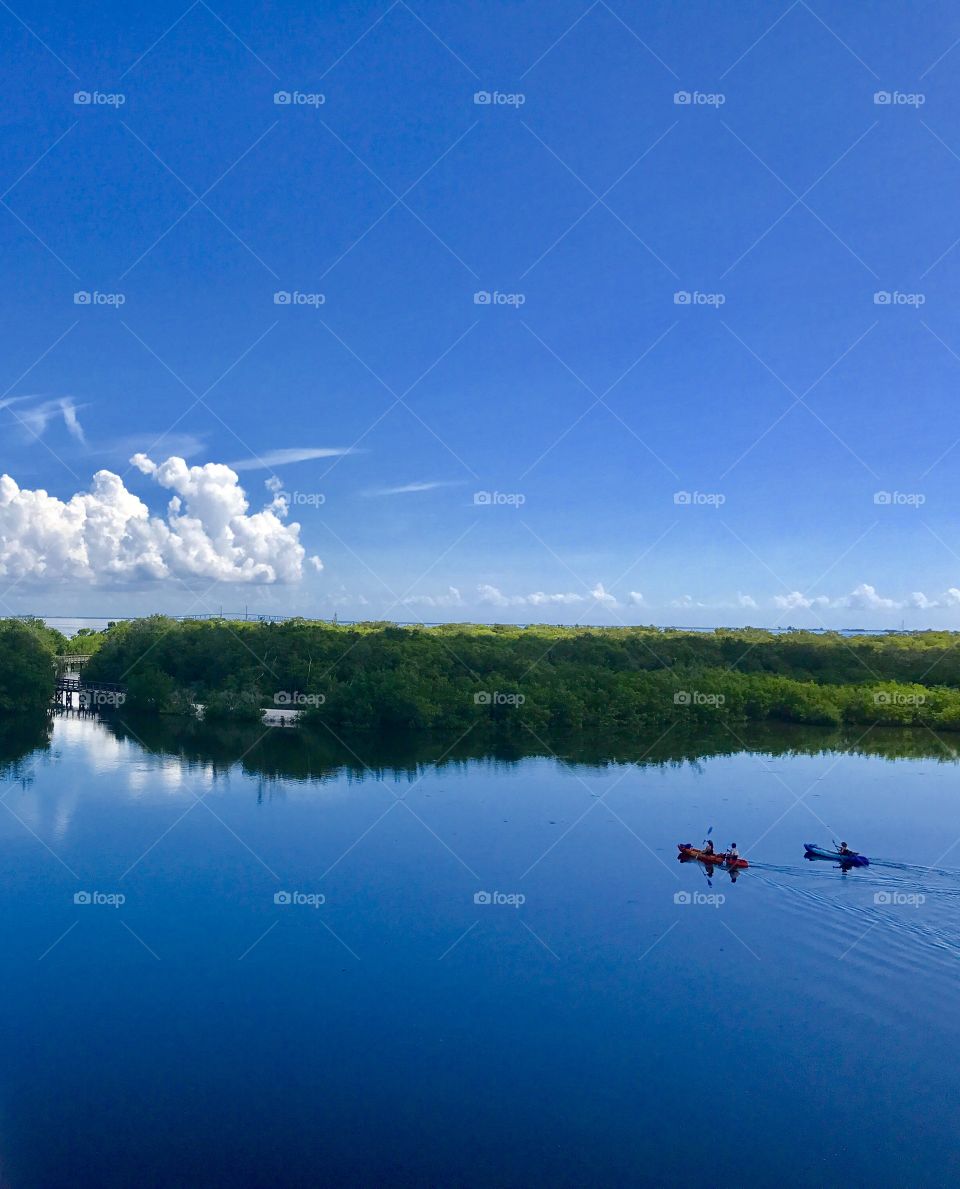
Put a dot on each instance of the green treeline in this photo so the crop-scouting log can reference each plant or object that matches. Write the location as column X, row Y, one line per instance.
column 382, row 677
column 379, row 676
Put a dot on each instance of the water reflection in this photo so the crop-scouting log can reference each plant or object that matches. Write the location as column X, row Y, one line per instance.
column 210, row 751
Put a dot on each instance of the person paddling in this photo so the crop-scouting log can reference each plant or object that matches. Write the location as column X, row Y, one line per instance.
column 845, row 850
column 708, row 849
column 733, row 854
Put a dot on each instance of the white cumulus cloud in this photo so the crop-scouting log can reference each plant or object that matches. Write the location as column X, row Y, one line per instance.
column 108, row 535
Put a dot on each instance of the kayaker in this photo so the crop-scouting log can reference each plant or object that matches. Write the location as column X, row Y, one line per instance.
column 733, row 854
column 845, row 850
column 708, row 849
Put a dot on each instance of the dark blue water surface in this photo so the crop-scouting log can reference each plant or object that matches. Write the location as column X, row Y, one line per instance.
column 629, row 1022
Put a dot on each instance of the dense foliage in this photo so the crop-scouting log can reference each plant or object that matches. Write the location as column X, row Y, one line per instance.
column 26, row 667
column 384, row 677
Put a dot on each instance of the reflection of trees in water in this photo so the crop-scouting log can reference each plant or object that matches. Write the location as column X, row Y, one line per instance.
column 20, row 737
column 315, row 754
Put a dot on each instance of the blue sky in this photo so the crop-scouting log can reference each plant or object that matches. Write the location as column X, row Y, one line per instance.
column 715, row 383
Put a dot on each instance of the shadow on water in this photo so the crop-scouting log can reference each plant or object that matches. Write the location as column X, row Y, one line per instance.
column 21, row 736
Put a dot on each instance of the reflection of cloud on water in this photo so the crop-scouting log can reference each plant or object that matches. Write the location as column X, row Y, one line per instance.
column 105, row 754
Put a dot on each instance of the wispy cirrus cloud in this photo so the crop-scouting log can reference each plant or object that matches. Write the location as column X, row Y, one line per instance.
column 287, row 456
column 36, row 418
column 413, row 488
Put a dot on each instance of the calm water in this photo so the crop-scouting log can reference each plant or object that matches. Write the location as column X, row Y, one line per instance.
column 795, row 1027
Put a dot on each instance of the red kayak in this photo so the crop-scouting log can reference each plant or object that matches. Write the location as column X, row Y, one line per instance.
column 691, row 852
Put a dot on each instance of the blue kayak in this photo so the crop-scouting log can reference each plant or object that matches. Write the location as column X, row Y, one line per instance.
column 824, row 852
